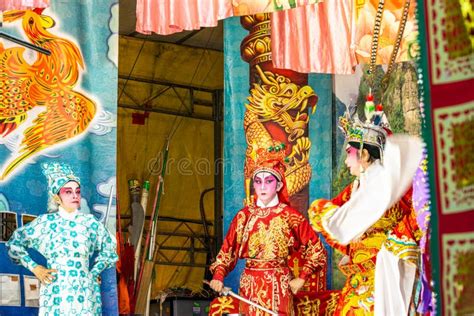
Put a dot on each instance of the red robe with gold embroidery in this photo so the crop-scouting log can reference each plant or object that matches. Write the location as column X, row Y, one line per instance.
column 266, row 237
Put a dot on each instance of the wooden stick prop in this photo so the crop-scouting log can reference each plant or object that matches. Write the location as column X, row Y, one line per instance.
column 25, row 44
column 109, row 205
column 150, row 253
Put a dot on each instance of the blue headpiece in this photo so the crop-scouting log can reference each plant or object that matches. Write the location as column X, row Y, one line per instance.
column 58, row 174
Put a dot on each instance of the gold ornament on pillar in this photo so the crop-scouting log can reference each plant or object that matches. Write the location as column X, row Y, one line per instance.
column 256, row 48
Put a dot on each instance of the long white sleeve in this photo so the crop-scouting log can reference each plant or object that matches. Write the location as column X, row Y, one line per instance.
column 381, row 186
column 394, row 280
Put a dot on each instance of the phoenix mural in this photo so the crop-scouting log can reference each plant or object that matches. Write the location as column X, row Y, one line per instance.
column 46, row 87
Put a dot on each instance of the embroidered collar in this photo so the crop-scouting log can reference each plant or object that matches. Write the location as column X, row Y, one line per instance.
column 273, row 202
column 264, row 211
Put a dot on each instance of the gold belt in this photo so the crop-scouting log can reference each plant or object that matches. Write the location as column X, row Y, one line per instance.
column 266, row 264
column 353, row 268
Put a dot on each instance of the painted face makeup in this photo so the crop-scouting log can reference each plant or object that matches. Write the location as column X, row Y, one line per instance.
column 352, row 161
column 266, row 186
column 70, row 196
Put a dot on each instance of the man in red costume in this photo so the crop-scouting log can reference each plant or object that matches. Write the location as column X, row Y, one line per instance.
column 265, row 233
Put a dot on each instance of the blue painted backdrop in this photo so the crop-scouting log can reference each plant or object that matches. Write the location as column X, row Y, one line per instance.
column 93, row 26
column 236, row 89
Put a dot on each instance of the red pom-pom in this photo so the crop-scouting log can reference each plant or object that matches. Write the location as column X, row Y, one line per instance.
column 379, row 107
column 370, row 97
column 389, row 132
column 38, row 11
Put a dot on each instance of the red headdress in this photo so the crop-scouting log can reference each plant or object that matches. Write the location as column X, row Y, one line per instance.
column 271, row 160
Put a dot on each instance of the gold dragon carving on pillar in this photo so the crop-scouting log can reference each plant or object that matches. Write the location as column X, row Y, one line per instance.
column 279, row 100
column 275, row 99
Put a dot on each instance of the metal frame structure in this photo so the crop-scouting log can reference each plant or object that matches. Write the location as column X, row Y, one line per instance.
column 189, row 104
column 193, row 242
column 138, row 36
column 212, row 99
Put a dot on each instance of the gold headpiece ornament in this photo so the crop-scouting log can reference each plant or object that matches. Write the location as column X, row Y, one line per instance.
column 271, row 160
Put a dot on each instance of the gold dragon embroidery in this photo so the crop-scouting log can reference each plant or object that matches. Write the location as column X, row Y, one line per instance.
column 270, row 242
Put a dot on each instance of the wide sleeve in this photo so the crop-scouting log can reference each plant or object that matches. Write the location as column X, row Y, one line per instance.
column 397, row 263
column 381, row 187
column 311, row 247
column 343, row 196
column 322, row 208
column 106, row 247
column 23, row 238
column 229, row 253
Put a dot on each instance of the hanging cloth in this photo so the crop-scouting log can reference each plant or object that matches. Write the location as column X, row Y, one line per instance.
column 334, row 36
column 170, row 16
column 22, row 4
column 315, row 38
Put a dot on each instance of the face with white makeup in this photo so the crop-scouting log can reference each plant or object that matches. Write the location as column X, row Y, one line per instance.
column 266, row 186
column 69, row 196
column 357, row 161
